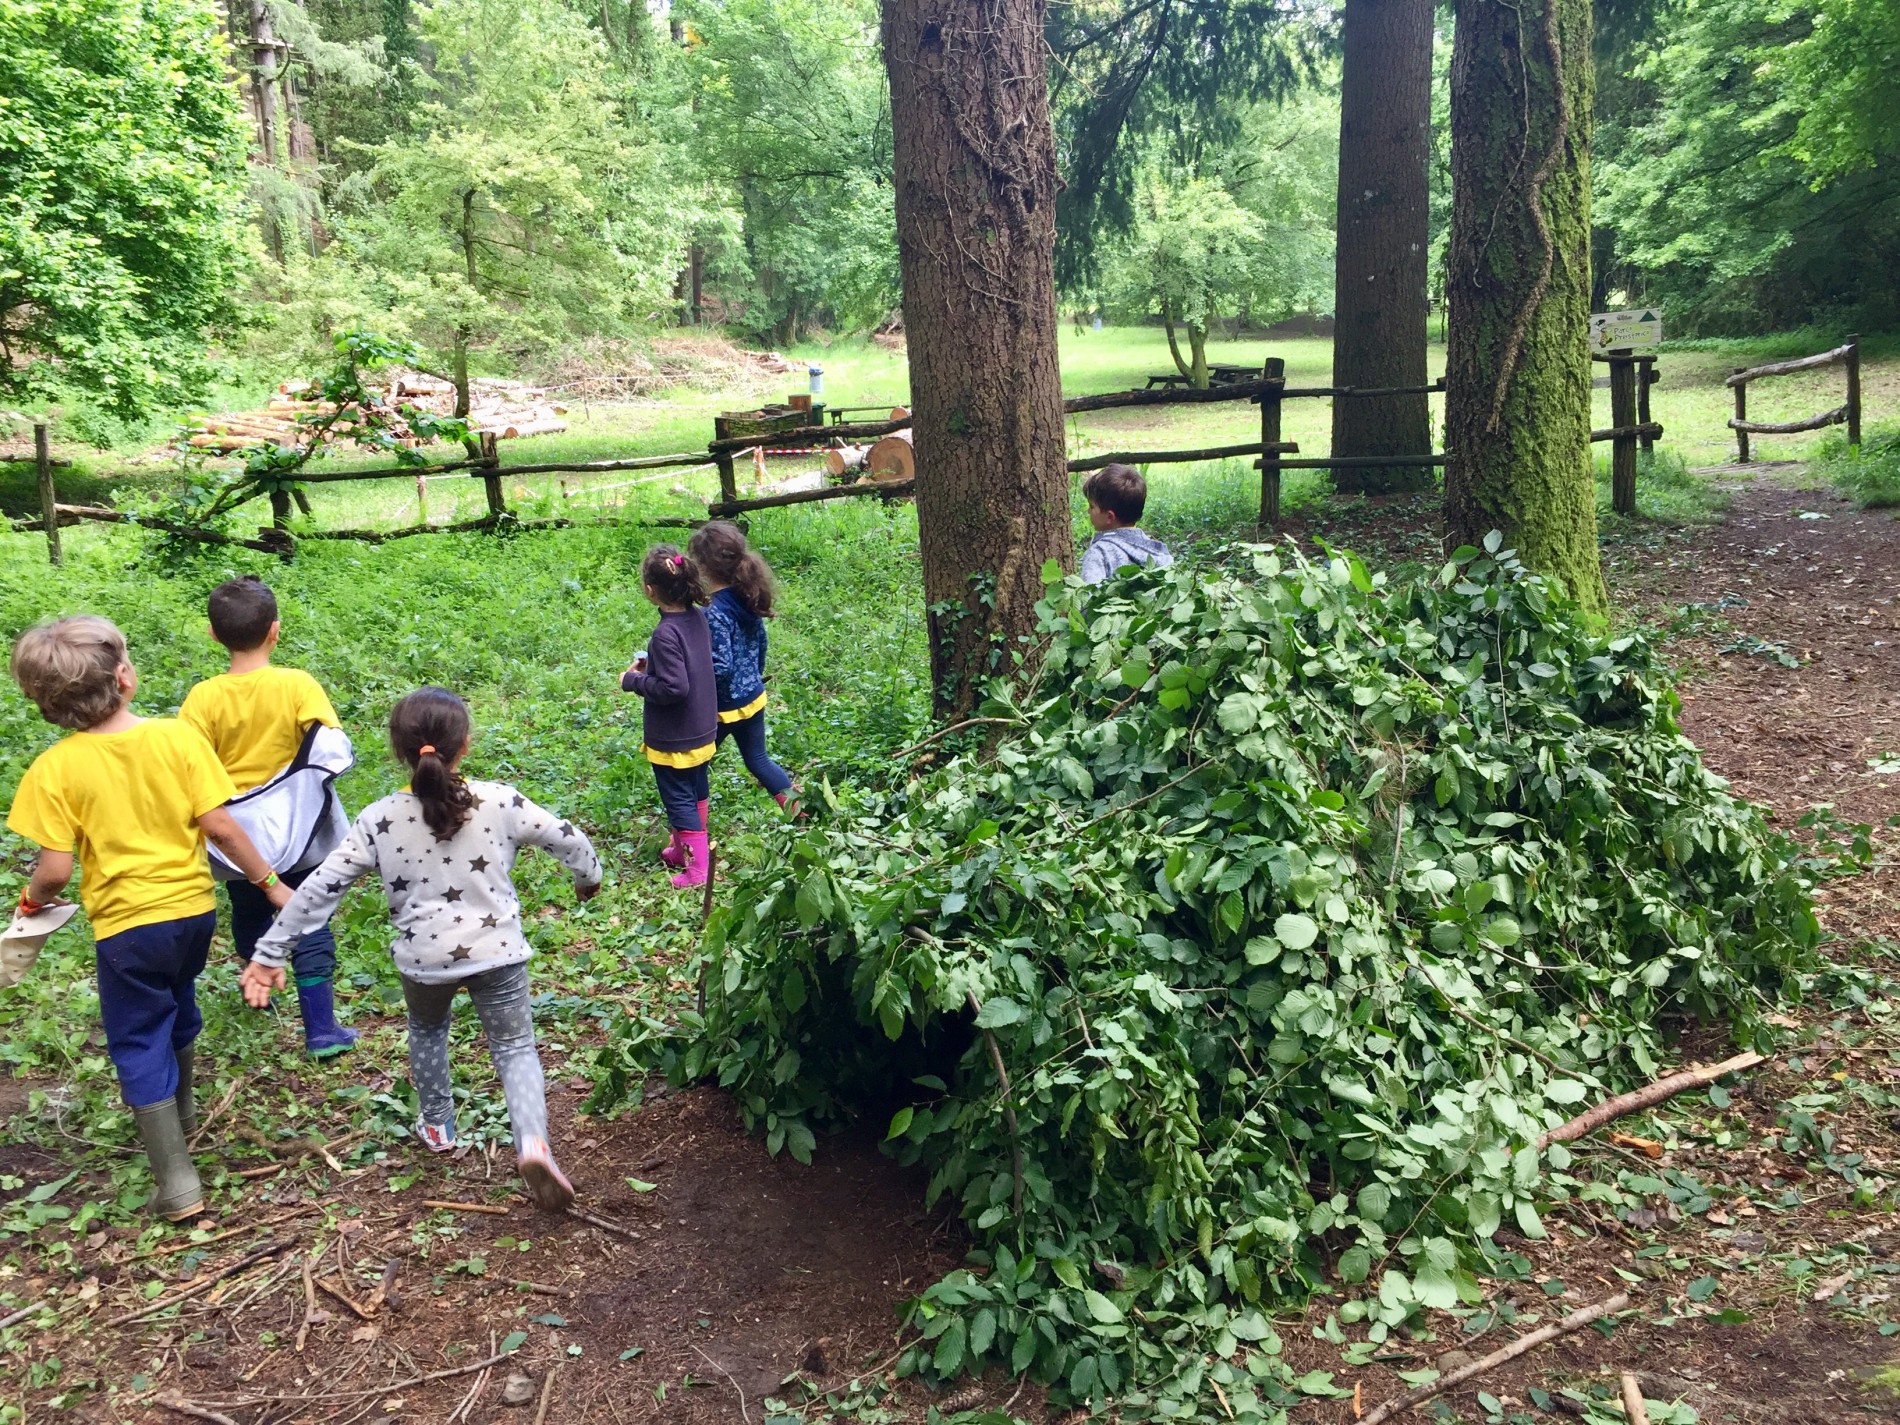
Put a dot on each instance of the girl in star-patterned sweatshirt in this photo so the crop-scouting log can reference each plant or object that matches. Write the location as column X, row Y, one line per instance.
column 444, row 847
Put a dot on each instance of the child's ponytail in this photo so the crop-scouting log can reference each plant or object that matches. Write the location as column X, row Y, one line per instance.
column 673, row 576
column 428, row 730
column 721, row 550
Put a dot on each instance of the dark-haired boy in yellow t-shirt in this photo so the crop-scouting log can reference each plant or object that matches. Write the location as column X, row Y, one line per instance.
column 133, row 800
column 255, row 717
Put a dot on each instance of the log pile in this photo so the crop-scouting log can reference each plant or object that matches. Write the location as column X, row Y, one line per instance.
column 504, row 409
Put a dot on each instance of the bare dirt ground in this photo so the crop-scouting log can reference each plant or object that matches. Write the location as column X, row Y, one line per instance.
column 712, row 1275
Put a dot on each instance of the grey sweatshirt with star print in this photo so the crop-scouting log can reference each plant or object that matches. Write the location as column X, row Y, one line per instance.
column 453, row 902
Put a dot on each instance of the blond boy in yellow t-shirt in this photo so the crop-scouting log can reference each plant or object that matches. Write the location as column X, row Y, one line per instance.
column 133, row 800
column 255, row 717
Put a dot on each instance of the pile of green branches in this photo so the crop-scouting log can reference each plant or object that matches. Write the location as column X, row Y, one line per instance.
column 1253, row 953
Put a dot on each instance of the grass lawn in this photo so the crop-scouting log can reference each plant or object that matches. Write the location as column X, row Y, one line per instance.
column 1690, row 401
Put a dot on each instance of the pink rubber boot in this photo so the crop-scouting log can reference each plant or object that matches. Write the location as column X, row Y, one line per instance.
column 694, row 844
column 671, row 853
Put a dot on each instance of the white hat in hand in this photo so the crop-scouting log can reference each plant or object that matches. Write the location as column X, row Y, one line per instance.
column 20, row 945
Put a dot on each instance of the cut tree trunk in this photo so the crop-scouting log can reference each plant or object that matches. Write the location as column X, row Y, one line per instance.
column 1379, row 284
column 1517, row 406
column 975, row 188
column 891, row 458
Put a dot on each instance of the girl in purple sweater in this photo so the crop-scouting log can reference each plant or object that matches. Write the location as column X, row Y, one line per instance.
column 674, row 673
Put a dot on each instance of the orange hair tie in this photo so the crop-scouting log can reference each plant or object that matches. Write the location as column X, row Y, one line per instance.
column 425, row 749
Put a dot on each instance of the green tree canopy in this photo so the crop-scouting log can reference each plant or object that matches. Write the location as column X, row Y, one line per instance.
column 123, row 244
column 1749, row 167
column 521, row 205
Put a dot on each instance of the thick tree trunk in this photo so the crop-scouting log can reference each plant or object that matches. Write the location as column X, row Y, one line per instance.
column 976, row 186
column 1379, row 292
column 1517, row 409
column 1197, row 349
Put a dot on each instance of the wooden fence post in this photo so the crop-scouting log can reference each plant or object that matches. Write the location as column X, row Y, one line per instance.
column 1741, row 414
column 49, row 499
column 1623, row 448
column 280, row 509
column 728, row 481
column 1274, row 374
column 491, row 482
column 1645, row 378
column 1853, row 392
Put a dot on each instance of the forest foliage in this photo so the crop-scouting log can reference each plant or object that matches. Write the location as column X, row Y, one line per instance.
column 511, row 177
column 1252, row 957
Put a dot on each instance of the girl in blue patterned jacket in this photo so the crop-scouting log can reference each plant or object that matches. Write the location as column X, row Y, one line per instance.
column 741, row 603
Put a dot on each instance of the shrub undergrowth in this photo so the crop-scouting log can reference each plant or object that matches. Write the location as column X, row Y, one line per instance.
column 1253, row 954
column 1869, row 476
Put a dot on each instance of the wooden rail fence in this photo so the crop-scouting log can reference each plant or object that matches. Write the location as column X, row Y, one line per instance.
column 1631, row 378
column 1848, row 414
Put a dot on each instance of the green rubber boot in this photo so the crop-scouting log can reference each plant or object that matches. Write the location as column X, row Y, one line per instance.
column 178, row 1195
column 187, row 1105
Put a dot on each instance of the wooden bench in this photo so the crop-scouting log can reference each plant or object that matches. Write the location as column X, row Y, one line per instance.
column 1167, row 380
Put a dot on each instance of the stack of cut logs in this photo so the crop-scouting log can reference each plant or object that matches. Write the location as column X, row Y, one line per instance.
column 882, row 461
column 504, row 409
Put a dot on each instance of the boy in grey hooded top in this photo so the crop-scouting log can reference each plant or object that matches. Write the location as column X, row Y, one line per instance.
column 1117, row 495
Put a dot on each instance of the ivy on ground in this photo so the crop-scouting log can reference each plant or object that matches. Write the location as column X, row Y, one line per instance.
column 1253, row 956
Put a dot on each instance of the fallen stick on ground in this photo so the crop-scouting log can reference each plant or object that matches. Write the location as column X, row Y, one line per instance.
column 1451, row 1379
column 1646, row 1097
column 204, row 1124
column 361, row 1311
column 547, row 1394
column 540, row 1290
column 735, row 1384
column 444, row 1206
column 185, row 1407
column 269, row 1249
column 262, row 1172
column 606, row 1224
column 24, row 1312
column 389, row 1389
column 312, row 1316
column 187, row 1245
column 1633, row 1406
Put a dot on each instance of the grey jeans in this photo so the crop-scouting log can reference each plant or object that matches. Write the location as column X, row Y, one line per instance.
column 501, row 999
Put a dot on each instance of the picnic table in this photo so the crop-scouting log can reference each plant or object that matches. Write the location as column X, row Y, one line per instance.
column 1221, row 373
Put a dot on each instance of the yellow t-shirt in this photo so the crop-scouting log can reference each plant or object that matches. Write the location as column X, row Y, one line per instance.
column 255, row 721
column 128, row 804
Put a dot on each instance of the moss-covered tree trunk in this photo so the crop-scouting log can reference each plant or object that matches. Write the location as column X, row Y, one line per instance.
column 1379, row 297
column 976, row 184
column 1517, row 406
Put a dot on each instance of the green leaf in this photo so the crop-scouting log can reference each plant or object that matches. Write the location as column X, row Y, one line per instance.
column 513, row 1341
column 642, row 1185
column 1355, row 1265
column 1101, row 1308
column 1295, row 931
column 999, row 1012
column 1702, row 1288
column 1066, row 1273
column 1566, row 1091
column 900, row 1123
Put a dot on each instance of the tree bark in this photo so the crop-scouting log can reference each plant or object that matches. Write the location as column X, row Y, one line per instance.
column 1174, row 345
column 1380, row 301
column 1197, row 348
column 975, row 189
column 1517, row 408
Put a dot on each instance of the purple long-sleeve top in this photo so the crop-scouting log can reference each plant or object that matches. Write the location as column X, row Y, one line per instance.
column 682, row 699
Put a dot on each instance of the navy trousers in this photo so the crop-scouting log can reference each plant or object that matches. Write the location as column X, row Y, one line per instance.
column 750, row 735
column 682, row 789
column 312, row 958
column 147, row 1000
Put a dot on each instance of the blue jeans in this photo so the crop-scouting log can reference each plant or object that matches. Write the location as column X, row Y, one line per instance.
column 750, row 735
column 312, row 958
column 148, row 1003
column 682, row 789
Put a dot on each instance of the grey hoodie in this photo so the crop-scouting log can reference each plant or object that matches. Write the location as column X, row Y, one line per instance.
column 1112, row 549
